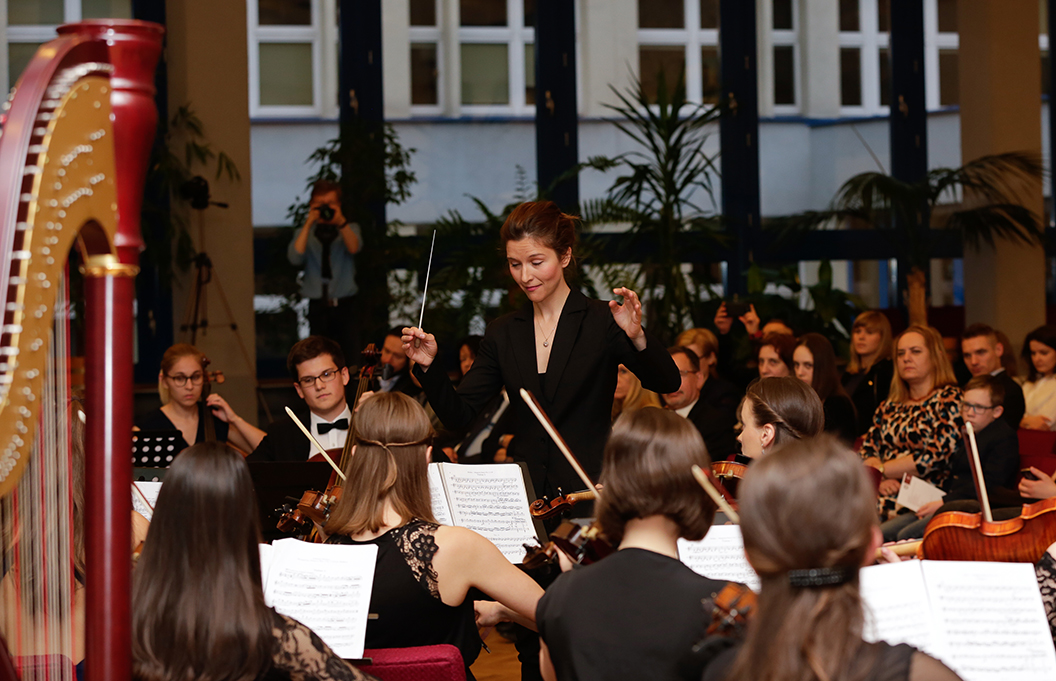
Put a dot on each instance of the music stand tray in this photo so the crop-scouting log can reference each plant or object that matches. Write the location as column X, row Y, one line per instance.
column 156, row 448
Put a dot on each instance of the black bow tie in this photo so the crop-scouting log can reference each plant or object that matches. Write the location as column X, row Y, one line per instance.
column 324, row 428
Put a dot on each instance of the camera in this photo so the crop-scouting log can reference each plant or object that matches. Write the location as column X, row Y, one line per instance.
column 326, row 213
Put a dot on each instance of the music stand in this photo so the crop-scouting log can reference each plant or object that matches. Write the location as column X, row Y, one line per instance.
column 274, row 481
column 156, row 448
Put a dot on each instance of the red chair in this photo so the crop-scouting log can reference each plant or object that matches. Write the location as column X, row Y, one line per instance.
column 1036, row 448
column 422, row 663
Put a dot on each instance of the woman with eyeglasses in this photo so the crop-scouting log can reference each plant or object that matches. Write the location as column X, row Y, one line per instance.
column 180, row 384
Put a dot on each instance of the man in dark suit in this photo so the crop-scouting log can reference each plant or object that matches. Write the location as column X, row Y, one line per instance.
column 982, row 353
column 709, row 402
column 395, row 367
column 317, row 366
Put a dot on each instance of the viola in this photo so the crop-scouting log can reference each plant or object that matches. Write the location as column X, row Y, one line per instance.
column 728, row 474
column 313, row 507
column 584, row 544
column 548, row 508
column 731, row 608
column 977, row 536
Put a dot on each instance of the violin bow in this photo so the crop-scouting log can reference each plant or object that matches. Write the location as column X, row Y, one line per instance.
column 548, row 426
column 315, row 442
column 977, row 471
column 425, row 289
column 723, row 505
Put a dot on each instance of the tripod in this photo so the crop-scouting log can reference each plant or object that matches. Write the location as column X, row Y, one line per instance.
column 196, row 314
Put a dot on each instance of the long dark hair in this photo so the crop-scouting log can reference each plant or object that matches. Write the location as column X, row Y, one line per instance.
column 392, row 435
column 826, row 381
column 197, row 604
column 1046, row 335
column 802, row 633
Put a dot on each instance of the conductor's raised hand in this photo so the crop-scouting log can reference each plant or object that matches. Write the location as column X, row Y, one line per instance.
column 426, row 349
column 629, row 315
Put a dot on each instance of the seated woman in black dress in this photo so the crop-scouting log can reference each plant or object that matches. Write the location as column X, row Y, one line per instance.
column 424, row 570
column 180, row 384
column 197, row 604
column 810, row 626
column 776, row 411
column 637, row 613
column 870, row 369
column 815, row 365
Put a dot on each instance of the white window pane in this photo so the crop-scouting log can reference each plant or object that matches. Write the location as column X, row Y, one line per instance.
column 885, row 77
column 482, row 12
column 661, row 14
column 34, row 12
column 18, row 57
column 710, row 75
column 784, row 75
column 850, row 76
column 106, row 9
column 286, row 74
column 284, row 12
column 485, row 73
column 949, row 78
column 661, row 61
column 529, row 74
column 883, row 15
column 947, row 16
column 849, row 15
column 709, row 13
column 423, row 12
column 424, row 74
column 783, row 15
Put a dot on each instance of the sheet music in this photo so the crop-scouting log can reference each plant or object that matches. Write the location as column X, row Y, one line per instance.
column 438, row 496
column 490, row 499
column 267, row 554
column 719, row 555
column 896, row 606
column 150, row 491
column 993, row 620
column 326, row 587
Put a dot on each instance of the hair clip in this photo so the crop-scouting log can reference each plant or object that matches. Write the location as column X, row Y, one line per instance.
column 826, row 576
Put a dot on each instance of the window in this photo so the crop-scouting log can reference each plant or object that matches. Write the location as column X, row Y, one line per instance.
column 31, row 23
column 497, row 56
column 426, row 90
column 679, row 39
column 286, row 57
column 785, row 57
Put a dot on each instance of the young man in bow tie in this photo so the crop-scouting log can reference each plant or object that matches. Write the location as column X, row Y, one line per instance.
column 317, row 365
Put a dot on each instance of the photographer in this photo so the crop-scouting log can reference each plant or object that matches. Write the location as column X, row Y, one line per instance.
column 324, row 246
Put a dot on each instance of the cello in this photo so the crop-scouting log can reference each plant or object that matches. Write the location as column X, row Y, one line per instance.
column 958, row 535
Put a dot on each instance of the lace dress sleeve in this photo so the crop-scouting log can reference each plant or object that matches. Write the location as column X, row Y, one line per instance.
column 304, row 657
column 1045, row 569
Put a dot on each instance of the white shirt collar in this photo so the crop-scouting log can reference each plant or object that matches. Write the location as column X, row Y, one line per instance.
column 684, row 411
column 334, row 438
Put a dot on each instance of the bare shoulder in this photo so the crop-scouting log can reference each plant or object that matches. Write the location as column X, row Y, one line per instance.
column 923, row 667
column 461, row 539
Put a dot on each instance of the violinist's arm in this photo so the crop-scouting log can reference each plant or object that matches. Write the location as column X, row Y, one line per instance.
column 546, row 666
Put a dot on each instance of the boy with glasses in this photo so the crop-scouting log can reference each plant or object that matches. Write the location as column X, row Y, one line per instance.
column 982, row 405
column 317, row 366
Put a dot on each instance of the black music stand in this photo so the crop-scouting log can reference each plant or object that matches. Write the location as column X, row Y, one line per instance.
column 156, row 448
column 274, row 481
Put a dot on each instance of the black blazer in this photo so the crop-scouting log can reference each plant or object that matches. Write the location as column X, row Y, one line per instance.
column 1015, row 404
column 284, row 440
column 580, row 380
column 715, row 416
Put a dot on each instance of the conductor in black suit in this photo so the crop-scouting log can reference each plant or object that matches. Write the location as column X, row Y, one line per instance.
column 317, row 366
column 563, row 347
column 709, row 403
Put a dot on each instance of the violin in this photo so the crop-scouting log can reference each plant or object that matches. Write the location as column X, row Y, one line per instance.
column 977, row 536
column 728, row 475
column 732, row 606
column 313, row 507
column 584, row 544
column 548, row 508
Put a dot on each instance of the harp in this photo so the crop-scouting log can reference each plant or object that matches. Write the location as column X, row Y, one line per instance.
column 74, row 147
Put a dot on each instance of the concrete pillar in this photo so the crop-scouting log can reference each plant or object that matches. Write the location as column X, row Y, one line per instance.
column 608, row 37
column 1000, row 112
column 819, row 45
column 208, row 68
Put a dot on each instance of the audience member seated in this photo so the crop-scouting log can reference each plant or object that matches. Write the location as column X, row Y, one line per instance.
column 814, row 362
column 982, row 353
column 703, row 342
column 637, row 613
column 952, row 345
column 809, row 620
column 709, row 403
column 776, row 411
column 870, row 370
column 320, row 377
column 197, row 604
column 737, row 362
column 1008, row 358
column 1039, row 388
column 917, row 429
column 180, row 382
column 982, row 406
column 425, row 570
column 775, row 355
column 630, row 395
column 396, row 368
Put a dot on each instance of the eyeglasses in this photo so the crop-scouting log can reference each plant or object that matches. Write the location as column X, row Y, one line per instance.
column 180, row 380
column 687, row 372
column 969, row 408
column 325, row 377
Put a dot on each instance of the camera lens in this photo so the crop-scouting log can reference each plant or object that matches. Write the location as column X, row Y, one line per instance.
column 326, row 213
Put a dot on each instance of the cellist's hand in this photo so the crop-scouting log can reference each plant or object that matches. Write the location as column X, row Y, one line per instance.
column 220, row 408
column 426, row 351
column 1042, row 488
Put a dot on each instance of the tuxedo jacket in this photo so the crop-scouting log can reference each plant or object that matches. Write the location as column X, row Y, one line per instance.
column 576, row 391
column 284, row 440
column 715, row 416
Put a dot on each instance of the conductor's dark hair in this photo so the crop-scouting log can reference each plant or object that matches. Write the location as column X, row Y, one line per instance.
column 544, row 222
column 196, row 589
column 647, row 471
column 310, row 348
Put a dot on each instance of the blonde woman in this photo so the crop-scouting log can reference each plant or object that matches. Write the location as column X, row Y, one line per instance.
column 630, row 395
column 869, row 372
